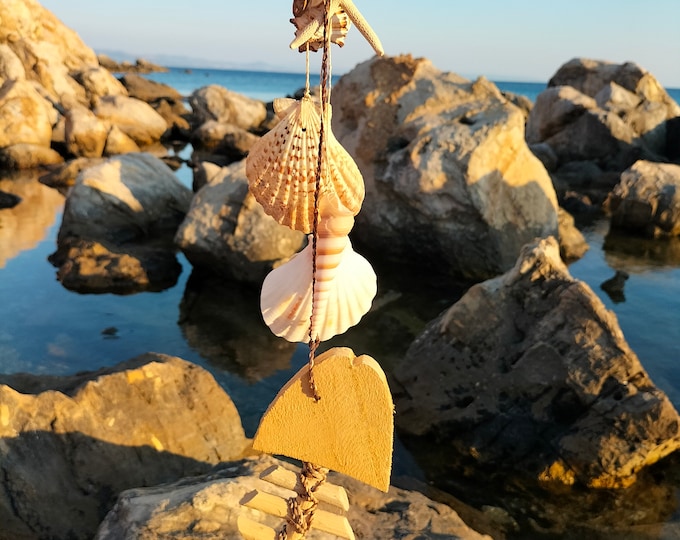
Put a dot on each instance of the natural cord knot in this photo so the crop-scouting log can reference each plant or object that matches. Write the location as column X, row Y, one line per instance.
column 301, row 508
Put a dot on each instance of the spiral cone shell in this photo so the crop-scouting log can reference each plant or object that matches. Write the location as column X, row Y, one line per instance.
column 281, row 167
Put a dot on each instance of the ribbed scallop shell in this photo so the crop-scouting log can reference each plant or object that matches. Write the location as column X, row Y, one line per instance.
column 281, row 167
column 341, row 298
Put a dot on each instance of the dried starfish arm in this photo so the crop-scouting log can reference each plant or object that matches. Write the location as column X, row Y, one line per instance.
column 362, row 25
column 308, row 21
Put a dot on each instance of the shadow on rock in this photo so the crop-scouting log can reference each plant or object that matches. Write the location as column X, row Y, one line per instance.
column 50, row 493
column 221, row 320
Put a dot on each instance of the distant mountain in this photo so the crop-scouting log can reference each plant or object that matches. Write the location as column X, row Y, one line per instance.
column 169, row 60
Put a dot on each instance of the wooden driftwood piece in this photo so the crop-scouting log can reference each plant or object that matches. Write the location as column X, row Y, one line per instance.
column 349, row 430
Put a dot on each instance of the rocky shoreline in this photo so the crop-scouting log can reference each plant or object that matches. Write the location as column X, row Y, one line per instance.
column 525, row 371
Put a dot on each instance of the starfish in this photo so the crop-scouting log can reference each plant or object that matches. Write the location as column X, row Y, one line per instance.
column 308, row 20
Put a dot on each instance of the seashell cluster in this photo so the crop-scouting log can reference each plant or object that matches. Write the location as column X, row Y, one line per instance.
column 311, row 184
column 308, row 21
column 281, row 168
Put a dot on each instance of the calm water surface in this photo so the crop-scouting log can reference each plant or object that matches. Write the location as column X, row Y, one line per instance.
column 47, row 329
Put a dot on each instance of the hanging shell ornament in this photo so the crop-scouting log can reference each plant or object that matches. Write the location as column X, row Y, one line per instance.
column 308, row 20
column 282, row 166
column 345, row 284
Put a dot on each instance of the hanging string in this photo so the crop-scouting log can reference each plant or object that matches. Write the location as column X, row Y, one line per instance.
column 325, row 100
column 307, row 69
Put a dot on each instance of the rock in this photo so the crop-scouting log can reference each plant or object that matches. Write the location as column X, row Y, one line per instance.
column 117, row 142
column 606, row 113
column 65, row 174
column 578, row 130
column 83, row 439
column 673, row 139
column 27, row 224
column 573, row 245
column 98, row 82
column 147, row 90
column 529, row 371
column 49, row 51
column 450, row 181
column 85, row 134
column 27, row 156
column 86, row 266
column 647, row 200
column 11, row 67
column 8, row 200
column 24, row 115
column 208, row 506
column 133, row 117
column 614, row 286
column 125, row 198
column 167, row 101
column 119, row 220
column 140, row 66
column 545, row 154
column 227, row 231
column 215, row 102
column 223, row 139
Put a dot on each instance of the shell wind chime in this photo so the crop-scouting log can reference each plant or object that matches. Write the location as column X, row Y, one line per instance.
column 337, row 411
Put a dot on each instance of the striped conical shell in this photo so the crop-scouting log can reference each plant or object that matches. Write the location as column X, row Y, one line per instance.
column 281, row 167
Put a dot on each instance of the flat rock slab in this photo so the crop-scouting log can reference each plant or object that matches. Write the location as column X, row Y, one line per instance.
column 208, row 507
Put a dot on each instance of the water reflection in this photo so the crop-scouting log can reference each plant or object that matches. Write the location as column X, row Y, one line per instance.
column 24, row 226
column 637, row 254
column 221, row 320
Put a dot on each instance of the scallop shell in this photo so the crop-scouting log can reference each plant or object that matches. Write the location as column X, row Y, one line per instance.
column 281, row 167
column 343, row 294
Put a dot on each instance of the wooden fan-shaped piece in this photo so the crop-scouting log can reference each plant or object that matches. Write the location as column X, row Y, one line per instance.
column 349, row 430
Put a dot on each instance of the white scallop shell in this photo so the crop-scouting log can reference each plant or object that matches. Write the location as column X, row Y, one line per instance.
column 346, row 286
column 281, row 167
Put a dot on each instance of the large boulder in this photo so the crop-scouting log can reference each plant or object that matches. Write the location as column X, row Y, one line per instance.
column 606, row 113
column 71, row 444
column 27, row 156
column 647, row 199
column 119, row 220
column 11, row 66
column 450, row 181
column 529, row 371
column 227, row 231
column 137, row 119
column 209, row 506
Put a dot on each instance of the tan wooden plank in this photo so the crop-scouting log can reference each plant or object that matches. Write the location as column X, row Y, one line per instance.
column 327, row 493
column 276, row 506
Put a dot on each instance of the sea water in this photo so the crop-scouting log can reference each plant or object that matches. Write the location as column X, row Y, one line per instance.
column 46, row 329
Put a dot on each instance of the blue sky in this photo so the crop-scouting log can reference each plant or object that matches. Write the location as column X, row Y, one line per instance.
column 519, row 40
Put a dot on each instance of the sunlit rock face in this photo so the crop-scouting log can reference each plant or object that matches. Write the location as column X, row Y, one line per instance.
column 25, row 225
column 450, row 181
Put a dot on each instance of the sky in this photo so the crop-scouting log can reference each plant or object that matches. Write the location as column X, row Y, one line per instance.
column 520, row 40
